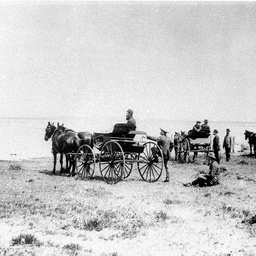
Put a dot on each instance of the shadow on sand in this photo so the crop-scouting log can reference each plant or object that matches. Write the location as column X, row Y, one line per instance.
column 67, row 174
column 248, row 155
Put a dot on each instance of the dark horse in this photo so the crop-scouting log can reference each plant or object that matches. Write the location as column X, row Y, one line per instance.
column 85, row 138
column 66, row 141
column 180, row 146
column 251, row 136
column 62, row 143
column 176, row 140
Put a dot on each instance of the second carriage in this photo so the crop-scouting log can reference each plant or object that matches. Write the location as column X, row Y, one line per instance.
column 192, row 143
column 117, row 153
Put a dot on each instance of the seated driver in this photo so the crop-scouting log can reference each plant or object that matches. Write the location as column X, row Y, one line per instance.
column 130, row 120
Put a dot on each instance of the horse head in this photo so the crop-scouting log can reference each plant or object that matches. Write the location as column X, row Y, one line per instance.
column 64, row 129
column 178, row 137
column 247, row 134
column 49, row 130
column 61, row 127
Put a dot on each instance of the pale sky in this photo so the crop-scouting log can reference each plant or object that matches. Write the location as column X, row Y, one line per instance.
column 170, row 60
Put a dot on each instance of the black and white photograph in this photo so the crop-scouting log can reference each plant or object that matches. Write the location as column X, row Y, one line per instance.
column 128, row 128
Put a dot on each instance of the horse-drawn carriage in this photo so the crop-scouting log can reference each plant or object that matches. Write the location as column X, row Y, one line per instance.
column 192, row 142
column 116, row 153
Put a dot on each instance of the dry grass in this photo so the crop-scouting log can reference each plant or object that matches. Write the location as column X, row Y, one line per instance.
column 42, row 214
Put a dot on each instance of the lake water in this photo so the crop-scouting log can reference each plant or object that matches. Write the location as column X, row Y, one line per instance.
column 23, row 138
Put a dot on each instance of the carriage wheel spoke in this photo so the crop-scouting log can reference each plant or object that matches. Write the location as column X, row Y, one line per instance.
column 107, row 172
column 141, row 168
column 154, row 170
column 147, row 172
column 156, row 166
column 144, row 158
column 79, row 166
column 118, row 171
column 104, row 168
column 112, row 173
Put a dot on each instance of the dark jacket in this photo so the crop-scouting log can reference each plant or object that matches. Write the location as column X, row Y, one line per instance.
column 216, row 143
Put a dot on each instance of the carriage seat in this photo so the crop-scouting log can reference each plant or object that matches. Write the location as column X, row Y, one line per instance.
column 122, row 130
column 204, row 133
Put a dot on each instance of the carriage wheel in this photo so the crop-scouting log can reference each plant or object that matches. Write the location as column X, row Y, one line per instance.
column 85, row 162
column 186, row 150
column 150, row 162
column 112, row 162
column 128, row 165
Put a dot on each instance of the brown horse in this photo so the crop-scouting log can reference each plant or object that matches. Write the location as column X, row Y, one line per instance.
column 62, row 143
column 251, row 136
column 85, row 138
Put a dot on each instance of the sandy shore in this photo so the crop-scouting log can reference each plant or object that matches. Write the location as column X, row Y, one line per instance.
column 45, row 214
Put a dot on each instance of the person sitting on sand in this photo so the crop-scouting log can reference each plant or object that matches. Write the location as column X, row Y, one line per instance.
column 210, row 179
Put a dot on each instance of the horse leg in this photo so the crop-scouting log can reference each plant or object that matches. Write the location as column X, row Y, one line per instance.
column 73, row 165
column 61, row 163
column 67, row 163
column 54, row 162
column 71, row 168
column 176, row 153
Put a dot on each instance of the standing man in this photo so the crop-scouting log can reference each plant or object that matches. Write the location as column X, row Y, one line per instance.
column 163, row 141
column 130, row 120
column 216, row 145
column 227, row 144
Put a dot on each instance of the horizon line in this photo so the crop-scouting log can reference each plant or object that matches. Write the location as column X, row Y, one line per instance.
column 157, row 118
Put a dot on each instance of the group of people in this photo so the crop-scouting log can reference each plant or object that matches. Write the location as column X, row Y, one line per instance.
column 227, row 142
column 164, row 143
column 198, row 127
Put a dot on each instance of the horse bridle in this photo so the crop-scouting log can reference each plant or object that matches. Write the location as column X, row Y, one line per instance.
column 49, row 129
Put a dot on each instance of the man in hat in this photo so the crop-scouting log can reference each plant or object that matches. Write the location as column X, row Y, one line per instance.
column 209, row 179
column 197, row 127
column 205, row 126
column 227, row 144
column 216, row 145
column 164, row 142
column 130, row 120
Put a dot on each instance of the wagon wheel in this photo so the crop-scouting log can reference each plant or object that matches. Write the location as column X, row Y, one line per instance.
column 150, row 162
column 186, row 149
column 85, row 162
column 129, row 158
column 112, row 162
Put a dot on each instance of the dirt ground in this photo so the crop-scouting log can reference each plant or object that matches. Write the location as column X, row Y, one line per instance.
column 45, row 214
